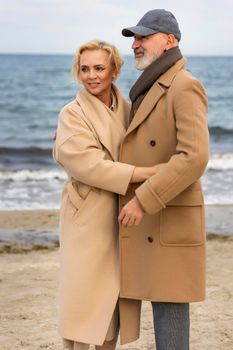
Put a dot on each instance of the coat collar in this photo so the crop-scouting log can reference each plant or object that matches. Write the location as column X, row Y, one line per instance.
column 109, row 126
column 167, row 78
column 154, row 94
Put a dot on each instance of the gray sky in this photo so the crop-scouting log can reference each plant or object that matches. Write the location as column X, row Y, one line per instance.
column 60, row 26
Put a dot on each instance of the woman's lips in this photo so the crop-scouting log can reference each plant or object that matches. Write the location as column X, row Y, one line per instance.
column 93, row 85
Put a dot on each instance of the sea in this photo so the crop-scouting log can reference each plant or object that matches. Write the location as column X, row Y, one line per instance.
column 33, row 89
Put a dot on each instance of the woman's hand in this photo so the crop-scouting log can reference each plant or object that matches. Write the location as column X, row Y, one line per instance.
column 141, row 174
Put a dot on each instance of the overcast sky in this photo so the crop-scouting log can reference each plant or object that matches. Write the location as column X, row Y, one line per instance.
column 60, row 26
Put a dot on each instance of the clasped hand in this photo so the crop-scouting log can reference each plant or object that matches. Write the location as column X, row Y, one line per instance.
column 131, row 214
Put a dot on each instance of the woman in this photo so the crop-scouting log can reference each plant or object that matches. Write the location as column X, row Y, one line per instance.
column 89, row 134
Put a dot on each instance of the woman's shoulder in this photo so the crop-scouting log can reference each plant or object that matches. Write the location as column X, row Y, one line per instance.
column 71, row 112
column 70, row 107
column 71, row 117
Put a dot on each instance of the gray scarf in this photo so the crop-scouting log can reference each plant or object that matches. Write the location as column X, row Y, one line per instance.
column 150, row 75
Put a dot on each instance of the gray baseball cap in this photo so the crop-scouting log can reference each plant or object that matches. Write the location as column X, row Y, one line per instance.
column 155, row 21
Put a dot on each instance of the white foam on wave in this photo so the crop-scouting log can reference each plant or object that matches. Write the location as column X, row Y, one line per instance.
column 41, row 189
column 218, row 199
column 218, row 162
column 38, row 175
column 26, row 205
column 221, row 162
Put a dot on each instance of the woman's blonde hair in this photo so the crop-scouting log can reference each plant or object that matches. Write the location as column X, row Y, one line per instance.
column 114, row 56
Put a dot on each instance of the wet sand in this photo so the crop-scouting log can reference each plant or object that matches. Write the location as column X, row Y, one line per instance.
column 218, row 219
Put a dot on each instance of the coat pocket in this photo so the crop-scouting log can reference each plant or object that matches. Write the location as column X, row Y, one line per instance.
column 182, row 222
column 75, row 198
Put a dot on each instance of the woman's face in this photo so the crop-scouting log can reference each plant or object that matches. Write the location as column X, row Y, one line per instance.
column 97, row 73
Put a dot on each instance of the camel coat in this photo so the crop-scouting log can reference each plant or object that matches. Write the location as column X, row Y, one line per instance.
column 87, row 147
column 163, row 259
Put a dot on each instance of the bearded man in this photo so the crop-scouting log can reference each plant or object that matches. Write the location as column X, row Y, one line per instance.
column 162, row 231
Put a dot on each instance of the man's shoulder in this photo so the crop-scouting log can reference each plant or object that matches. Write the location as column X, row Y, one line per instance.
column 184, row 75
column 185, row 79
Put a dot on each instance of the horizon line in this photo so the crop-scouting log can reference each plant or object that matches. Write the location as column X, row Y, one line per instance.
column 123, row 54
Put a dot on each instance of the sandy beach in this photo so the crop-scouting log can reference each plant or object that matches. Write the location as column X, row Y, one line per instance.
column 29, row 281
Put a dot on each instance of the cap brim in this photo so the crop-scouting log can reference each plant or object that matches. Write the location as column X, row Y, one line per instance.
column 137, row 30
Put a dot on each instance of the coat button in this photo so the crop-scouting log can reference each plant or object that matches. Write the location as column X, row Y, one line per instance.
column 150, row 239
column 152, row 143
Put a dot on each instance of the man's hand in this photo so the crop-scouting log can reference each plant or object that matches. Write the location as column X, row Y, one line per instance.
column 131, row 214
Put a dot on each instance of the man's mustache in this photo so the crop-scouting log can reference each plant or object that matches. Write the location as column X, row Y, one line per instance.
column 136, row 51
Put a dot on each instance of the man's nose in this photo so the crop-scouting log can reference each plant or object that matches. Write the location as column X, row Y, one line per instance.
column 136, row 44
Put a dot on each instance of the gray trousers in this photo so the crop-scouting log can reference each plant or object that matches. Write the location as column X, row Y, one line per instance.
column 171, row 325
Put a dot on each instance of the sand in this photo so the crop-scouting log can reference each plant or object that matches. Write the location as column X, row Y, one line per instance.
column 29, row 219
column 28, row 294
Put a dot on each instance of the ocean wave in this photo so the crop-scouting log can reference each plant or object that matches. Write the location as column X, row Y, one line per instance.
column 33, row 175
column 219, row 131
column 25, row 157
column 218, row 162
column 221, row 162
column 25, row 151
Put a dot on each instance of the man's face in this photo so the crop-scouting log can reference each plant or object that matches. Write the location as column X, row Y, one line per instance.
column 148, row 48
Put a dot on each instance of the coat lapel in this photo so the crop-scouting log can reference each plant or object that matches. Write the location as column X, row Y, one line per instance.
column 110, row 127
column 154, row 94
column 148, row 103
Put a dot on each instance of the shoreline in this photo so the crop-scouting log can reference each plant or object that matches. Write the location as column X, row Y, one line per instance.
column 22, row 231
column 218, row 219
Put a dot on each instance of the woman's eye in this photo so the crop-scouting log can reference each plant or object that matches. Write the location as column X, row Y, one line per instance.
column 84, row 69
column 99, row 69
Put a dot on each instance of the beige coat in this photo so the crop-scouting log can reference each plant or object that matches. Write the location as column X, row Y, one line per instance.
column 164, row 258
column 87, row 147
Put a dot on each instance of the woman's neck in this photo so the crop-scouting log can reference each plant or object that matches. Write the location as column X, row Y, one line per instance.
column 106, row 98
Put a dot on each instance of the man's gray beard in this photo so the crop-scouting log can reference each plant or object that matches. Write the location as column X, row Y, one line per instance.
column 143, row 62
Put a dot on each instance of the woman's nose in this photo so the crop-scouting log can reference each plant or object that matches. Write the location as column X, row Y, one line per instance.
column 92, row 74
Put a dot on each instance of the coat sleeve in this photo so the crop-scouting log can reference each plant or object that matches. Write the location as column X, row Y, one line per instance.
column 192, row 150
column 78, row 150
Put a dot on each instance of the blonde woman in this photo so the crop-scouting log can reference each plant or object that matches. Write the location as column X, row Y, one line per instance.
column 89, row 134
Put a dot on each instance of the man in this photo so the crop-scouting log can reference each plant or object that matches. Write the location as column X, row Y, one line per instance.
column 162, row 234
